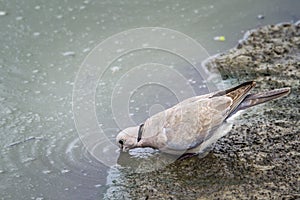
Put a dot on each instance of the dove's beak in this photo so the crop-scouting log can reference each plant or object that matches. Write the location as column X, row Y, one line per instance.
column 125, row 149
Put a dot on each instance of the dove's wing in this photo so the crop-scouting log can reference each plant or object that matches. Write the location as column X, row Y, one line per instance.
column 188, row 125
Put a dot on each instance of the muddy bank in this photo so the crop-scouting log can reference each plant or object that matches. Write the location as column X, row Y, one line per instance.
column 260, row 157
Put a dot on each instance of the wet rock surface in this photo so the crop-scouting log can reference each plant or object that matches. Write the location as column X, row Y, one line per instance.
column 260, row 157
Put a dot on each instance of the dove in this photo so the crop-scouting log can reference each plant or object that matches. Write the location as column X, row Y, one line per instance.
column 193, row 126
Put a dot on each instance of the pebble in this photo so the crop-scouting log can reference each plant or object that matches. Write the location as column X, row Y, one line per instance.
column 115, row 69
column 68, row 53
column 37, row 7
column 36, row 34
column 219, row 38
column 260, row 16
column 3, row 13
column 65, row 171
column 19, row 18
column 46, row 171
column 97, row 185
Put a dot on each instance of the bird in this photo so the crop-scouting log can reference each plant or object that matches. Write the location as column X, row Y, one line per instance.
column 193, row 126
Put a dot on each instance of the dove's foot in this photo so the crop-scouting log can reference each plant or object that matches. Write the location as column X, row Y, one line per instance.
column 187, row 155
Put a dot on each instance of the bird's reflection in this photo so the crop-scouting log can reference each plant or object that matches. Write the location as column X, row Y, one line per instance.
column 145, row 159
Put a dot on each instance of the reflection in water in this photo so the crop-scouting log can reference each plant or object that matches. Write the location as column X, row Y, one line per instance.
column 145, row 160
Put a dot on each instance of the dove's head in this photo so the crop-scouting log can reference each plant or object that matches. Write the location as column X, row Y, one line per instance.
column 127, row 139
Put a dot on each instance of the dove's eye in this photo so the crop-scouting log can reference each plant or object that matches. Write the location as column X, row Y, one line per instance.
column 121, row 142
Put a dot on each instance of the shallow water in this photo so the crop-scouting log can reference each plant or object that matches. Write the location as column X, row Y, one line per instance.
column 42, row 48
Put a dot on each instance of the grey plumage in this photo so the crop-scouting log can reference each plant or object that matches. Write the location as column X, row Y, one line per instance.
column 195, row 124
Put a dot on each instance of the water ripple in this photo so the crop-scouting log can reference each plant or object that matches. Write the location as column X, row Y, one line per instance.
column 56, row 158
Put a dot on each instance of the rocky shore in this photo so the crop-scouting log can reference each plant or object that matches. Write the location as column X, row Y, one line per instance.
column 260, row 157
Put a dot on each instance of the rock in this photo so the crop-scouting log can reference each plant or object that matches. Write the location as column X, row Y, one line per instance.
column 259, row 158
column 260, row 17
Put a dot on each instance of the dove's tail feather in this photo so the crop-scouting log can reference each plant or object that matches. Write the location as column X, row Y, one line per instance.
column 241, row 100
column 255, row 99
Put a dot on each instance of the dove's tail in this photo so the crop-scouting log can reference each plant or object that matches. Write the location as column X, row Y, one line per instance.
column 255, row 99
column 241, row 100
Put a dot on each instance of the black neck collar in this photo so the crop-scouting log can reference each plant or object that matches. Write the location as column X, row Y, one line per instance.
column 140, row 133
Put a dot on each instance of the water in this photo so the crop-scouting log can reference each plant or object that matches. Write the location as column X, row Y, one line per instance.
column 42, row 46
